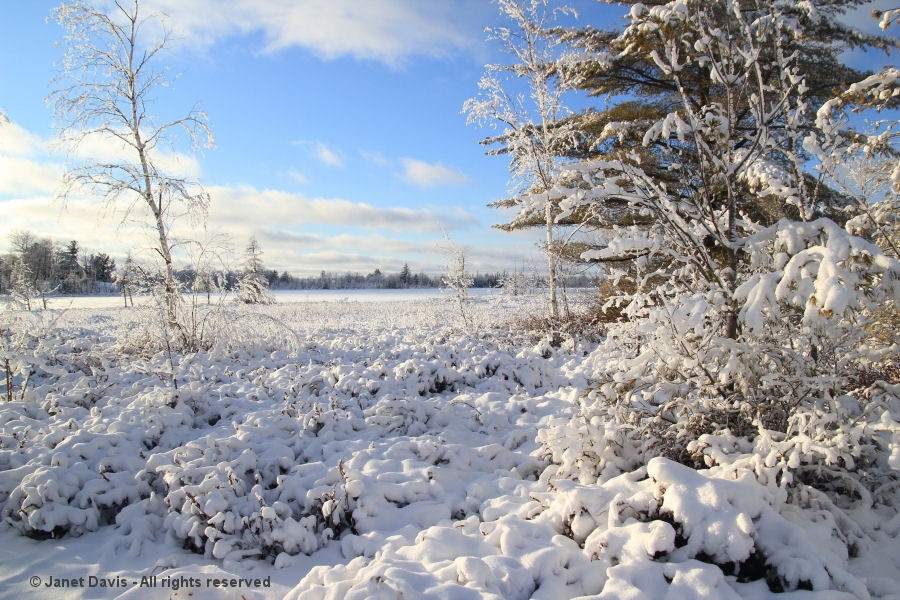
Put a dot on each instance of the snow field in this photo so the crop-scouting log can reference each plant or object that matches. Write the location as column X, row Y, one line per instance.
column 416, row 460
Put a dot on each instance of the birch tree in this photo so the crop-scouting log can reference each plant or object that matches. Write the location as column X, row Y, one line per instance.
column 530, row 120
column 111, row 76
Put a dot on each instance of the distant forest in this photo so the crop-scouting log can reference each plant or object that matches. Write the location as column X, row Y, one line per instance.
column 51, row 267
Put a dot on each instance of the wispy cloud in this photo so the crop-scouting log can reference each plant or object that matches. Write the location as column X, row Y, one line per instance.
column 322, row 151
column 292, row 227
column 384, row 30
column 328, row 156
column 376, row 158
column 425, row 174
column 298, row 177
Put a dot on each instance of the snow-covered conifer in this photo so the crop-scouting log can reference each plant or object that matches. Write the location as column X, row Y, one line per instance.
column 749, row 301
column 253, row 287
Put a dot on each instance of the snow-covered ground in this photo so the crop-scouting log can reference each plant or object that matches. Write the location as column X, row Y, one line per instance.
column 367, row 449
column 281, row 296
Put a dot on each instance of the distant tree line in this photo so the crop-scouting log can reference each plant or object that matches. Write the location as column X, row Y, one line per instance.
column 377, row 279
column 43, row 266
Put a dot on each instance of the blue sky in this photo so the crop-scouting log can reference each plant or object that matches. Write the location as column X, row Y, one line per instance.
column 340, row 143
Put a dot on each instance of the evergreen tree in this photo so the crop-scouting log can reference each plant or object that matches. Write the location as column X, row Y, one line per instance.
column 405, row 275
column 70, row 271
column 701, row 141
column 102, row 267
column 640, row 90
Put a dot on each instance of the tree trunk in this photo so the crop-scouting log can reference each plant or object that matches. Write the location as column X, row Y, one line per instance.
column 551, row 262
column 170, row 285
column 731, row 322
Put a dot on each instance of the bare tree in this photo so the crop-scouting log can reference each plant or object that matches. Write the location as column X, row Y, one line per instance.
column 532, row 131
column 459, row 280
column 109, row 81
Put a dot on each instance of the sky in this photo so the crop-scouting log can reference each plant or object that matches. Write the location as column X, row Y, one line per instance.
column 340, row 142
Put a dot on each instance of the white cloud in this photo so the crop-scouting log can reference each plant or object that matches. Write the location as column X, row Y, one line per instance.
column 31, row 165
column 81, row 218
column 249, row 209
column 418, row 172
column 385, row 30
column 281, row 236
column 425, row 174
column 16, row 141
column 23, row 176
column 286, row 227
column 25, row 164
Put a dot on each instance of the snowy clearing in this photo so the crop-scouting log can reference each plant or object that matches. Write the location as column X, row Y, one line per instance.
column 371, row 450
column 63, row 302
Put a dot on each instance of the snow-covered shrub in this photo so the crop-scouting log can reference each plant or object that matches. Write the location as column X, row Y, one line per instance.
column 27, row 339
column 666, row 521
column 803, row 339
column 797, row 401
column 60, row 498
column 230, row 500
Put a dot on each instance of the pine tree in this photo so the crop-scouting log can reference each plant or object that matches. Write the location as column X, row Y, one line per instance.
column 102, row 267
column 405, row 275
column 70, row 271
column 640, row 90
column 701, row 138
